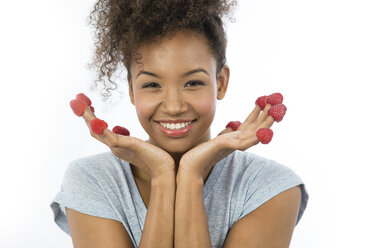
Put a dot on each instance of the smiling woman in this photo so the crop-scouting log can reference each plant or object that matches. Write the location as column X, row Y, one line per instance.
column 181, row 187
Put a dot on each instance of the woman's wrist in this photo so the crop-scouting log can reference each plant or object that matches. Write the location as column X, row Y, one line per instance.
column 166, row 179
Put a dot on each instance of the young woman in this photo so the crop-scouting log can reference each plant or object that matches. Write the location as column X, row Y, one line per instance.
column 181, row 187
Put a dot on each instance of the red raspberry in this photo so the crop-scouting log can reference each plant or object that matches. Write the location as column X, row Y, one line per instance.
column 82, row 97
column 261, row 102
column 233, row 124
column 275, row 99
column 121, row 130
column 98, row 126
column 92, row 109
column 264, row 135
column 78, row 107
column 278, row 112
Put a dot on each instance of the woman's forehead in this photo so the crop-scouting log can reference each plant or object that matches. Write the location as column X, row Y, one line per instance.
column 181, row 53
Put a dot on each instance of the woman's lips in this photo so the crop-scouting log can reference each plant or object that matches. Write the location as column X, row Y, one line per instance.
column 175, row 133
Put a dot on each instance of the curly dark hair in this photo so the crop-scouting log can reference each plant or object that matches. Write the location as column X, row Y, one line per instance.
column 121, row 26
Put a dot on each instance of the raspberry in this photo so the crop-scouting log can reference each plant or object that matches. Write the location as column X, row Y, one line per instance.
column 92, row 109
column 275, row 99
column 261, row 102
column 121, row 130
column 233, row 124
column 82, row 97
column 278, row 112
column 264, row 135
column 78, row 107
column 97, row 126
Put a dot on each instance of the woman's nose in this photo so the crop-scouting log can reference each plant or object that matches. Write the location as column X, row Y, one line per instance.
column 173, row 102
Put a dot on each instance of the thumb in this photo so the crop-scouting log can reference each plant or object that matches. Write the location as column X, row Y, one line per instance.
column 226, row 130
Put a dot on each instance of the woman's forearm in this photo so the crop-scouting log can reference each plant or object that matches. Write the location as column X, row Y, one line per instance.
column 159, row 224
column 191, row 223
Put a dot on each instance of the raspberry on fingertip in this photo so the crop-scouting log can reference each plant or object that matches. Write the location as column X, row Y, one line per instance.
column 234, row 125
column 97, row 126
column 121, row 130
column 264, row 135
column 261, row 102
column 277, row 112
column 274, row 99
column 78, row 107
column 82, row 97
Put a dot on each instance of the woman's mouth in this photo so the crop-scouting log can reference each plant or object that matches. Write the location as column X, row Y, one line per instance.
column 175, row 128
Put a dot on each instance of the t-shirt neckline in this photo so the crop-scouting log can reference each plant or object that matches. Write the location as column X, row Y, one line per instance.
column 137, row 195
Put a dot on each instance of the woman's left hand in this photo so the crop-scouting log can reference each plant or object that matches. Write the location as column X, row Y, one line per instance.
column 199, row 161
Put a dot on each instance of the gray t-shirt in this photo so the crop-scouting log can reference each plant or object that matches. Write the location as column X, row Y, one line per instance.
column 102, row 185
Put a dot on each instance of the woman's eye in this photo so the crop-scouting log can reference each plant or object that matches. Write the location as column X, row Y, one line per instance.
column 151, row 85
column 194, row 83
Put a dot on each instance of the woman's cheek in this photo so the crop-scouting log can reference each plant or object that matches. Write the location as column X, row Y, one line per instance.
column 206, row 105
column 144, row 108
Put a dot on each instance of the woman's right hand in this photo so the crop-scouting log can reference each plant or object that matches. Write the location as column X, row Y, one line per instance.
column 149, row 158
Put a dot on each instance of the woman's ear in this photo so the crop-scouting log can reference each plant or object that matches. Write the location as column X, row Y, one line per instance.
column 130, row 86
column 223, row 82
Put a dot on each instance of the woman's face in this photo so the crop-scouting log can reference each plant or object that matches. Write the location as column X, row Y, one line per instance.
column 177, row 84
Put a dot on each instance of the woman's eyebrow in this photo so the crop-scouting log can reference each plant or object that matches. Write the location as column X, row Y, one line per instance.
column 183, row 75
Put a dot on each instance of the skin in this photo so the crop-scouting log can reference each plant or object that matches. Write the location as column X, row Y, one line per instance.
column 183, row 164
column 171, row 96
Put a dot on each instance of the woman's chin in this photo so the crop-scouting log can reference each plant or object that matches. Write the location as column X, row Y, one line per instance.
column 176, row 148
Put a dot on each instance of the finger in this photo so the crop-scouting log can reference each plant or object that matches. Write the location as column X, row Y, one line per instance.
column 251, row 117
column 88, row 116
column 238, row 142
column 81, row 106
column 263, row 116
column 267, row 123
column 247, row 137
column 99, row 130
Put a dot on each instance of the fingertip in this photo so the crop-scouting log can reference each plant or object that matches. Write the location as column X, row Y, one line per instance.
column 267, row 107
column 257, row 108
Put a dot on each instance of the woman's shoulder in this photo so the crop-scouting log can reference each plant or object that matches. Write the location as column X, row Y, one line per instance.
column 249, row 166
column 247, row 160
column 260, row 178
column 96, row 164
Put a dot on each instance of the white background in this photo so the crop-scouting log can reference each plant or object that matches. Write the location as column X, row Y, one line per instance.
column 317, row 53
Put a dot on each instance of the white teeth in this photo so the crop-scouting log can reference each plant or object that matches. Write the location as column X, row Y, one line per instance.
column 175, row 126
